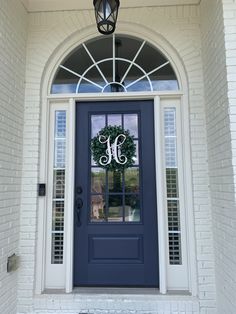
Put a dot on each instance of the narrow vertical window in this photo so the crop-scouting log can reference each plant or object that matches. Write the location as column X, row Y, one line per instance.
column 172, row 189
column 58, row 202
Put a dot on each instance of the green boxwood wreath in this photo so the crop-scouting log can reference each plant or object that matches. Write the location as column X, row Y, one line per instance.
column 128, row 148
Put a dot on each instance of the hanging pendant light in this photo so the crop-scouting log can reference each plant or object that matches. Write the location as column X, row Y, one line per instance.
column 106, row 12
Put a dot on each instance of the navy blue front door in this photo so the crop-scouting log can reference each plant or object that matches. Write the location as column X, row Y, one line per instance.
column 115, row 231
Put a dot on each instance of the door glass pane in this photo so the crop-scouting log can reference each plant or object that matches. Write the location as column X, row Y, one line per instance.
column 115, row 181
column 97, row 123
column 132, row 180
column 115, row 208
column 114, row 119
column 132, row 208
column 114, row 188
column 131, row 124
column 98, row 180
column 98, row 208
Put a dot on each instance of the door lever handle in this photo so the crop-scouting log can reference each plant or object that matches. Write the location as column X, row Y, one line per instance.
column 79, row 205
column 78, row 217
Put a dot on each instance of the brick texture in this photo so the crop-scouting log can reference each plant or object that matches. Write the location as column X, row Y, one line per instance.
column 13, row 35
column 219, row 99
column 219, row 61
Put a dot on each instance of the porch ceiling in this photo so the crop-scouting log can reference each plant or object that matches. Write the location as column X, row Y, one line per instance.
column 57, row 5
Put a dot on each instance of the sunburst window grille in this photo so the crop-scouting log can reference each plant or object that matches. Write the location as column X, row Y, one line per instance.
column 114, row 64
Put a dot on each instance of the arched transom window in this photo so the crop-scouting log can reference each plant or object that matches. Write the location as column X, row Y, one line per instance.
column 116, row 63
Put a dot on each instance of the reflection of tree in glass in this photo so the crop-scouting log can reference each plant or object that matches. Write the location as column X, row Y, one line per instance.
column 115, row 208
column 98, row 180
column 115, row 181
column 132, row 201
column 115, row 200
column 132, row 208
column 132, row 180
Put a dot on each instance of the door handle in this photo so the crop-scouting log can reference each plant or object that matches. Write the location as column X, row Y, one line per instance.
column 78, row 217
column 79, row 205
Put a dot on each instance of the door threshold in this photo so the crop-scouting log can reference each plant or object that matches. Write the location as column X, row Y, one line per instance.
column 135, row 291
column 116, row 290
column 128, row 291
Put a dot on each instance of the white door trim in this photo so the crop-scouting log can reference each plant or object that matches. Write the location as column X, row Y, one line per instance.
column 55, row 59
column 162, row 215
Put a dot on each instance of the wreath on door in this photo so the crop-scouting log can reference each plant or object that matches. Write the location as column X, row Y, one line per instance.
column 113, row 148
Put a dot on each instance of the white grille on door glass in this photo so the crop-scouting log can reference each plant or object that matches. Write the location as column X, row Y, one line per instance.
column 172, row 189
column 58, row 203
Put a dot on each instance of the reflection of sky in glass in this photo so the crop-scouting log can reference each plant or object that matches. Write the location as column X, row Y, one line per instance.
column 114, row 119
column 131, row 124
column 158, row 85
column 170, row 137
column 59, row 153
column 140, row 86
column 170, row 152
column 60, row 124
column 97, row 123
column 89, row 88
column 63, row 88
column 170, row 122
column 165, row 85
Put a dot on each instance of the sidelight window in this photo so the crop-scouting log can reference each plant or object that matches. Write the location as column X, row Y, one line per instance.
column 58, row 202
column 172, row 189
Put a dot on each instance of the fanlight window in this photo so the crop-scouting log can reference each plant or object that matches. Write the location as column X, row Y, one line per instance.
column 114, row 64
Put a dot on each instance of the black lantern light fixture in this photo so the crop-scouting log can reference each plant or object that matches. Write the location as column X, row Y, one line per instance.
column 106, row 12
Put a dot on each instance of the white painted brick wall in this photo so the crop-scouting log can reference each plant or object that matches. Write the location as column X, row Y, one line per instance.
column 226, row 261
column 220, row 65
column 180, row 26
column 13, row 34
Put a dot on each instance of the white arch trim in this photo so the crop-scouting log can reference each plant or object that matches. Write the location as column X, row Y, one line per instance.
column 80, row 37
column 60, row 52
